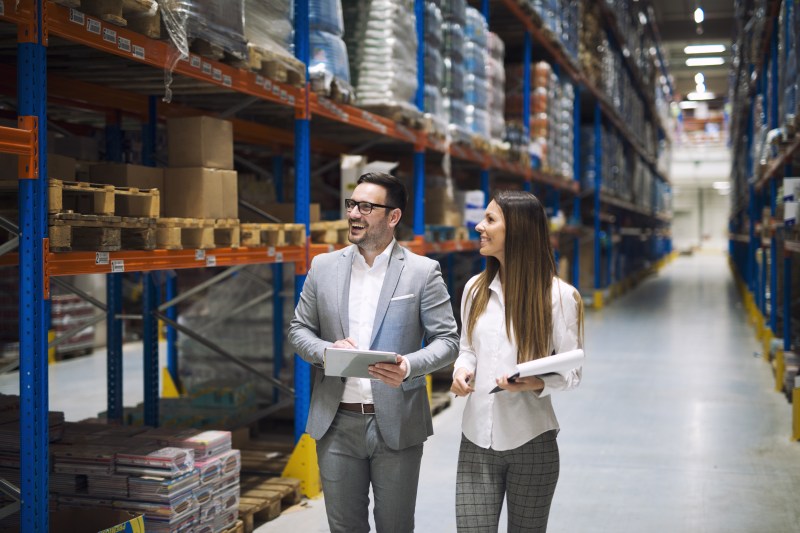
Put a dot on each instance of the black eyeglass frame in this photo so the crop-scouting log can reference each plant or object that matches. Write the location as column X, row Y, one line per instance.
column 349, row 204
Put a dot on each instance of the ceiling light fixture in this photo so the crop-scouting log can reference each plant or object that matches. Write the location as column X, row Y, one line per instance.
column 699, row 16
column 721, row 185
column 700, row 88
column 704, row 61
column 699, row 78
column 688, row 105
column 704, row 49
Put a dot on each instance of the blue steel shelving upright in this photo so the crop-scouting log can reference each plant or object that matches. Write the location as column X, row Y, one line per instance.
column 33, row 379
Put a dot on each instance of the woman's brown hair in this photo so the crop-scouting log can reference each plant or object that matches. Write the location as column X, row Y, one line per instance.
column 527, row 277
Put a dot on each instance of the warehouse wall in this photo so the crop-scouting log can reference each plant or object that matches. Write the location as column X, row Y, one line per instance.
column 700, row 211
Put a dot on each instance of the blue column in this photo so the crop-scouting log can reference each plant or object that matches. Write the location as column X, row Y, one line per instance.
column 419, row 192
column 173, row 363
column 302, row 199
column 598, row 169
column 114, row 346
column 114, row 365
column 526, row 86
column 787, row 302
column 576, row 202
column 33, row 319
column 150, row 340
column 277, row 288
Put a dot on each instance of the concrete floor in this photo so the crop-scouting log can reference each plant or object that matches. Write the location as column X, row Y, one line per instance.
column 675, row 428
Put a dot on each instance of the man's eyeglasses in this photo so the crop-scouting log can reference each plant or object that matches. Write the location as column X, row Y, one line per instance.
column 365, row 208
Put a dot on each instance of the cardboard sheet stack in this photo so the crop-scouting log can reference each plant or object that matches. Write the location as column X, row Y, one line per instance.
column 382, row 42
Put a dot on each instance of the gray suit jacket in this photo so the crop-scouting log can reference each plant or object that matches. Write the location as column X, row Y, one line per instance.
column 400, row 326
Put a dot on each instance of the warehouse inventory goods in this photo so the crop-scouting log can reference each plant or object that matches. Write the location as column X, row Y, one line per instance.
column 496, row 78
column 269, row 30
column 328, row 67
column 382, row 45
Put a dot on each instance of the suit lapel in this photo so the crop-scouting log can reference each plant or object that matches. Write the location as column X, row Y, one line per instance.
column 345, row 267
column 396, row 264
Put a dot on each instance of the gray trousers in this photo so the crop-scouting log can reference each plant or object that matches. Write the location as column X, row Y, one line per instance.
column 351, row 455
column 526, row 476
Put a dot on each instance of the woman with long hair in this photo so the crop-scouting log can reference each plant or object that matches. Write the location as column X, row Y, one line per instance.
column 516, row 310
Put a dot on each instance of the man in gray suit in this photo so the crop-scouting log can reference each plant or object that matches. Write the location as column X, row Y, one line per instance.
column 375, row 295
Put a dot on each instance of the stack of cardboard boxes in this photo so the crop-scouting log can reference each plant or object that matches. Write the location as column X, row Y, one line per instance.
column 200, row 181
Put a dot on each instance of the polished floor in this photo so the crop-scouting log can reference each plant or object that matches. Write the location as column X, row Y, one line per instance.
column 675, row 428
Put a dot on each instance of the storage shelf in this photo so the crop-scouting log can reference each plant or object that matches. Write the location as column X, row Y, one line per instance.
column 792, row 246
column 776, row 166
column 77, row 263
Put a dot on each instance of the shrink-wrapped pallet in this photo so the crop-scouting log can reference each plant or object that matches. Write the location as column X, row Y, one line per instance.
column 383, row 42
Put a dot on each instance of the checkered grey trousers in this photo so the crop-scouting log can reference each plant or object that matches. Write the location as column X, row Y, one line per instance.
column 527, row 475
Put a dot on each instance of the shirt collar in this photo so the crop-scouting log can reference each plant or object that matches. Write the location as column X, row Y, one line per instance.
column 496, row 286
column 382, row 258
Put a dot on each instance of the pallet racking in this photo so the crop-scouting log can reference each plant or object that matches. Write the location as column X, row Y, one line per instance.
column 761, row 246
column 53, row 39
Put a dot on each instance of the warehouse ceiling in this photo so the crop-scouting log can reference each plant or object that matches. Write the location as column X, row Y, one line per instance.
column 677, row 27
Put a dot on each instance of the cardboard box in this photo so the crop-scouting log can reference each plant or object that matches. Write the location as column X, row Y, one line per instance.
column 58, row 167
column 99, row 519
column 80, row 148
column 195, row 192
column 285, row 212
column 441, row 209
column 200, row 142
column 230, row 195
column 120, row 175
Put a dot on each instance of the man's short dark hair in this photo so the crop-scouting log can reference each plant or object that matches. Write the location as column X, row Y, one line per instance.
column 396, row 194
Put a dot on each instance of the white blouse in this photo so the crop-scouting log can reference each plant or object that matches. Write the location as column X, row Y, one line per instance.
column 507, row 420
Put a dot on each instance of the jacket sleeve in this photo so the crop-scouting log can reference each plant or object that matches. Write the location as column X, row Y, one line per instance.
column 567, row 335
column 441, row 334
column 466, row 352
column 304, row 329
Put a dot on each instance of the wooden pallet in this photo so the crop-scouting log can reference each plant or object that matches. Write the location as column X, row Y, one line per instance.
column 106, row 200
column 263, row 499
column 69, row 3
column 71, row 232
column 238, row 528
column 197, row 233
column 276, row 66
column 412, row 118
column 481, row 144
column 337, row 90
column 330, row 232
column 268, row 234
column 141, row 16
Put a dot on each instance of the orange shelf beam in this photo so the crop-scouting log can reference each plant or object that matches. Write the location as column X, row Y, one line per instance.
column 94, row 33
column 16, row 141
column 359, row 118
column 777, row 164
column 74, row 263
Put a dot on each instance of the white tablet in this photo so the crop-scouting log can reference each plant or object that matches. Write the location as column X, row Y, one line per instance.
column 351, row 363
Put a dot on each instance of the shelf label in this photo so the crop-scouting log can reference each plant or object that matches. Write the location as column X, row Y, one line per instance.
column 206, row 68
column 283, row 94
column 109, row 36
column 199, row 255
column 93, row 26
column 2, row 9
column 267, row 85
column 291, row 99
column 124, row 44
column 276, row 91
column 279, row 257
column 138, row 51
column 77, row 17
column 260, row 80
column 195, row 62
column 117, row 265
column 101, row 258
column 217, row 74
column 270, row 251
column 227, row 81
column 211, row 261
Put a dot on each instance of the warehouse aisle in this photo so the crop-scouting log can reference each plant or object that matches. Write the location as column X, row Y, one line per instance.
column 675, row 427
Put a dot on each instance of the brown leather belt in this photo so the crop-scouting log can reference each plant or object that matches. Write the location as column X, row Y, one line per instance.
column 363, row 408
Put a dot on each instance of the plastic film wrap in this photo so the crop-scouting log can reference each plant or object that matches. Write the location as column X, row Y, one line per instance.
column 386, row 56
column 326, row 16
column 270, row 25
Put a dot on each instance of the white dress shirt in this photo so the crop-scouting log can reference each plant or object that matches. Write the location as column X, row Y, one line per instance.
column 507, row 420
column 365, row 289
